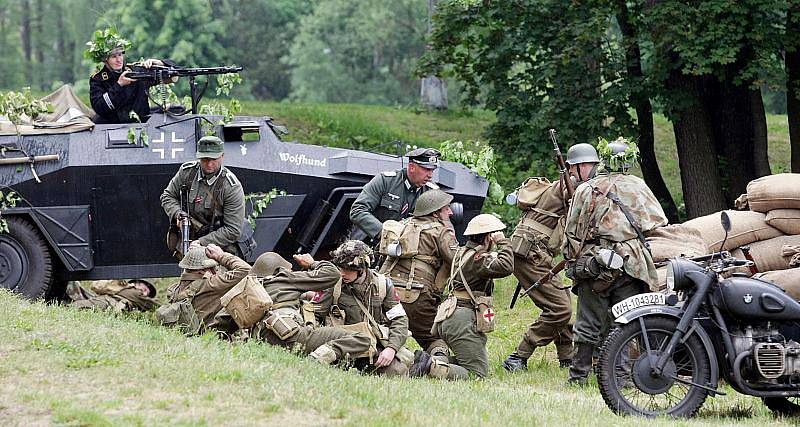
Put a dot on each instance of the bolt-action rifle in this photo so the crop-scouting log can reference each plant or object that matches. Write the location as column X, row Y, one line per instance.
column 569, row 189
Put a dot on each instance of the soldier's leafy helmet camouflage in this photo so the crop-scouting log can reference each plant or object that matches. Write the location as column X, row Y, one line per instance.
column 352, row 255
column 581, row 153
column 431, row 201
column 210, row 147
column 428, row 158
column 484, row 223
column 267, row 263
column 196, row 259
column 617, row 155
column 103, row 44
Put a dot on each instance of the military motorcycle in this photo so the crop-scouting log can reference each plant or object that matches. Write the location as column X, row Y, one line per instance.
column 669, row 350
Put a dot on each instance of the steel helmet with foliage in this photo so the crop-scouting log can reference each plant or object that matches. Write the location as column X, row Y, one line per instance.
column 482, row 224
column 352, row 255
column 431, row 201
column 617, row 155
column 102, row 43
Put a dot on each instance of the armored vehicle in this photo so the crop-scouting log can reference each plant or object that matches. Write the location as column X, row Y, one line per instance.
column 96, row 213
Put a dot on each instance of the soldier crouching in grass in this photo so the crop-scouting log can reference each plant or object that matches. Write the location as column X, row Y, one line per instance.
column 117, row 295
column 283, row 324
column 366, row 297
column 467, row 315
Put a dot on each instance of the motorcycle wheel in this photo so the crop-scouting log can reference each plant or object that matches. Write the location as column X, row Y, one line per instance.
column 623, row 371
column 783, row 406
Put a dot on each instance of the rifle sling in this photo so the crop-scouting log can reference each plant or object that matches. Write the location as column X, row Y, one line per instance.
column 625, row 211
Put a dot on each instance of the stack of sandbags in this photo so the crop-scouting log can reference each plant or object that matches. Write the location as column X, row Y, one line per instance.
column 675, row 240
column 777, row 258
column 746, row 227
column 672, row 241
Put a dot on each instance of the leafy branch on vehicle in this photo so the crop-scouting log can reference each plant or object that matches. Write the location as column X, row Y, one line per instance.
column 7, row 200
column 141, row 136
column 481, row 159
column 259, row 202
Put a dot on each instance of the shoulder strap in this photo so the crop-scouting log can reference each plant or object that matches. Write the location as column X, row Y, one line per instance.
column 337, row 291
column 366, row 312
column 381, row 283
column 460, row 260
column 625, row 211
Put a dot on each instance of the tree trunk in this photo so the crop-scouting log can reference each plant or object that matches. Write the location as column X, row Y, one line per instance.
column 792, row 62
column 644, row 115
column 734, row 135
column 697, row 154
column 37, row 26
column 25, row 30
column 760, row 140
column 433, row 90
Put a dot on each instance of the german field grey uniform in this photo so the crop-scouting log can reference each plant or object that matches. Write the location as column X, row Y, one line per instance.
column 284, row 325
column 610, row 261
column 117, row 295
column 467, row 315
column 533, row 259
column 391, row 195
column 415, row 278
column 370, row 299
column 203, row 288
column 216, row 203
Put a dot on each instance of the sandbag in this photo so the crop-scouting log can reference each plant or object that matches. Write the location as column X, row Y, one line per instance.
column 781, row 191
column 675, row 240
column 789, row 280
column 769, row 255
column 785, row 220
column 746, row 227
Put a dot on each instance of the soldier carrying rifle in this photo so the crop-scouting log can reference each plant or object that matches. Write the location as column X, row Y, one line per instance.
column 535, row 241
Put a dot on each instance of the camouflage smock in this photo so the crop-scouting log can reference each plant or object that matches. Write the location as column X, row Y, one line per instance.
column 613, row 231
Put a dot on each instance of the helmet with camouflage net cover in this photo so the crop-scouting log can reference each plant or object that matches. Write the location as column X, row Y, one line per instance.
column 267, row 263
column 582, row 153
column 619, row 148
column 196, row 259
column 352, row 255
column 431, row 201
column 484, row 223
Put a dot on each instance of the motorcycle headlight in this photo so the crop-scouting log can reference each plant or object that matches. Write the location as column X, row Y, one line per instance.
column 676, row 274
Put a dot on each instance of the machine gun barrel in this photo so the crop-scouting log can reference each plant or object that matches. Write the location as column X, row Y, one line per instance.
column 156, row 72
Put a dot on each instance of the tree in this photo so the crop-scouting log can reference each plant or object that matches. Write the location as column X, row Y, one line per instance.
column 358, row 52
column 584, row 67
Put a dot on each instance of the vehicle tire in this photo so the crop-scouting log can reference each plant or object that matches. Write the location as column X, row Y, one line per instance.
column 783, row 406
column 25, row 264
column 625, row 382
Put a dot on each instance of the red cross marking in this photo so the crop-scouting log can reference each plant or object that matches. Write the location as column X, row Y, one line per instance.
column 489, row 315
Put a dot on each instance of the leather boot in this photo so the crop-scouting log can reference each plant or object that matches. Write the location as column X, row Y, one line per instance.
column 515, row 363
column 581, row 364
column 422, row 364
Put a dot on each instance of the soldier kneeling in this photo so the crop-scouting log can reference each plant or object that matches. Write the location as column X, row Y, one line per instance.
column 367, row 299
column 467, row 315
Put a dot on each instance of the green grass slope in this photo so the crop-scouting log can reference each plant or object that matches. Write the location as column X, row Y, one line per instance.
column 68, row 367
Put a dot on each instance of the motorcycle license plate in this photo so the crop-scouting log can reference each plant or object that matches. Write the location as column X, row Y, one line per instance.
column 636, row 301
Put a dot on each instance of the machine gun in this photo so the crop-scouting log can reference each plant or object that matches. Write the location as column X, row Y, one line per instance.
column 569, row 189
column 159, row 74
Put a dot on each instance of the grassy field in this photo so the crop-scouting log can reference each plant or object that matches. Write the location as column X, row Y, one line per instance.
column 68, row 367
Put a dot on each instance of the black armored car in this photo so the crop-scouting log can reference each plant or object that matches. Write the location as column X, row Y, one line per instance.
column 96, row 213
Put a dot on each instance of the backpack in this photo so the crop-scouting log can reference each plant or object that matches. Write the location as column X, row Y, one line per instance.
column 531, row 190
column 401, row 239
column 247, row 302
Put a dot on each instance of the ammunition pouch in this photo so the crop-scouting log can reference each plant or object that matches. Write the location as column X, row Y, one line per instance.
column 180, row 315
column 409, row 294
column 443, row 312
column 282, row 324
column 309, row 315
